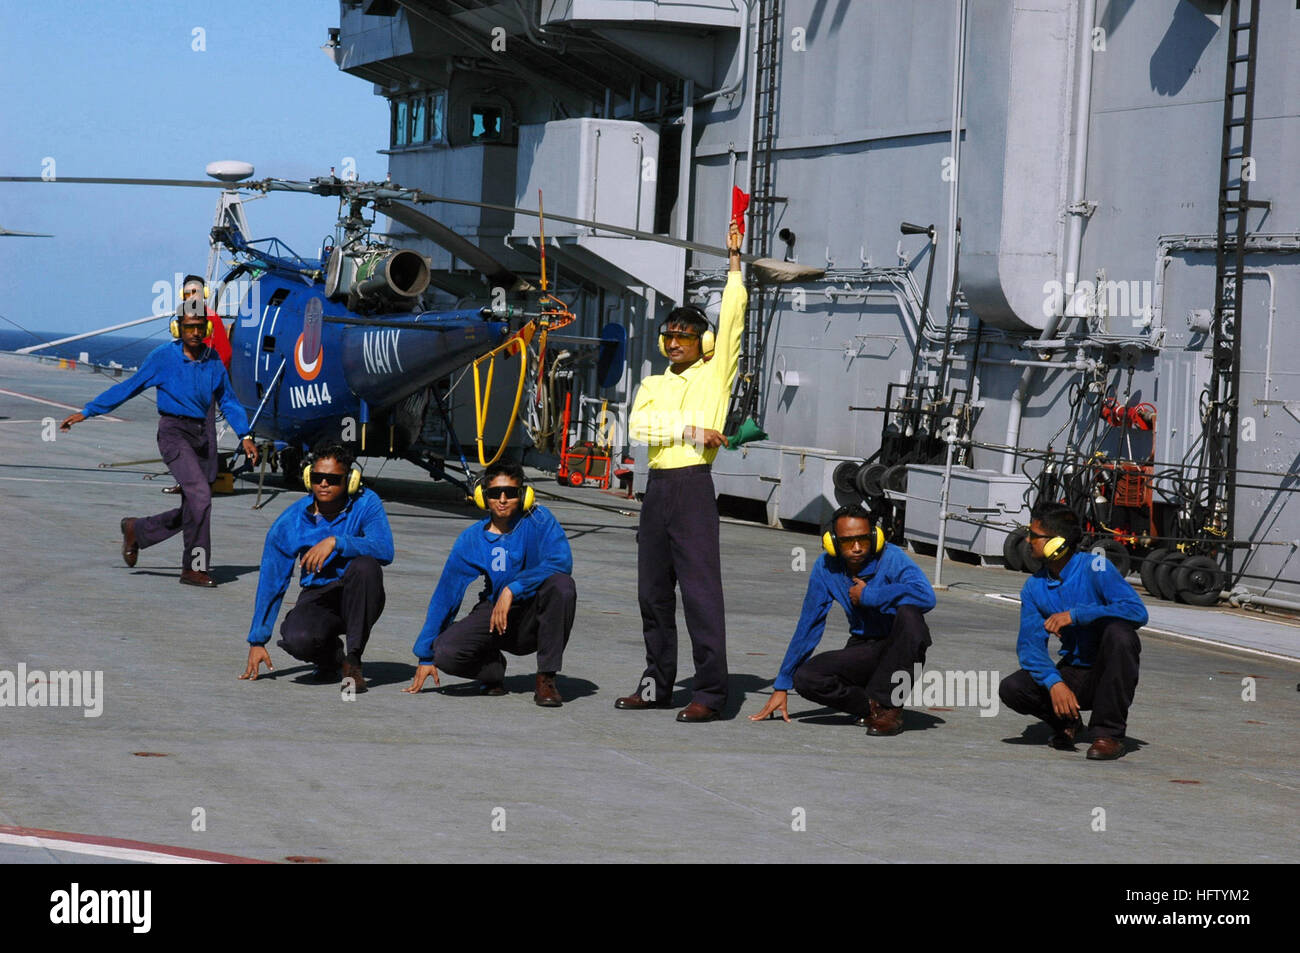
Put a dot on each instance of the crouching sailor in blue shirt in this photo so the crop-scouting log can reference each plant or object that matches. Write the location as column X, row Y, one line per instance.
column 1082, row 600
column 885, row 596
column 189, row 376
column 340, row 536
column 528, row 600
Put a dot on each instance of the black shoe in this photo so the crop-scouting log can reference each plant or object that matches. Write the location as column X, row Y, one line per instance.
column 493, row 689
column 331, row 670
column 1063, row 740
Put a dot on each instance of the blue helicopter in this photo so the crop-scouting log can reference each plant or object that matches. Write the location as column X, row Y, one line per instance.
column 333, row 347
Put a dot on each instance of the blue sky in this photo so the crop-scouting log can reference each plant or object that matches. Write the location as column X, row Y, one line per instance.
column 117, row 89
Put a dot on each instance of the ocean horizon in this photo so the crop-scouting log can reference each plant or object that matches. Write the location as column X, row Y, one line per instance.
column 124, row 349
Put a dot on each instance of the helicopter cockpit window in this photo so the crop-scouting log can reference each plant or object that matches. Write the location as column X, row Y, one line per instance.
column 487, row 122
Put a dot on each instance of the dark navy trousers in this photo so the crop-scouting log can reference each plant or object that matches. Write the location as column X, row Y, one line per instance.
column 863, row 671
column 468, row 648
column 1105, row 688
column 677, row 544
column 192, row 460
column 210, row 430
column 351, row 604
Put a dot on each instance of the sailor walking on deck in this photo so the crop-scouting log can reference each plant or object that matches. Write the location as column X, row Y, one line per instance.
column 189, row 377
column 193, row 286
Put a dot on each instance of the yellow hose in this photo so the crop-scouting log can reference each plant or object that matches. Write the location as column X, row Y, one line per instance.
column 483, row 396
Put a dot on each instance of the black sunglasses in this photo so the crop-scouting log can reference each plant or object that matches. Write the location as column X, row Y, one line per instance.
column 495, row 492
column 333, row 479
column 866, row 538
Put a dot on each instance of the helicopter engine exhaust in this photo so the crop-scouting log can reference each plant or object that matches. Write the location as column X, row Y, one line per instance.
column 387, row 277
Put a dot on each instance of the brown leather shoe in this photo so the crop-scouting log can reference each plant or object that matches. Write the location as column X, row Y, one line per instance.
column 352, row 670
column 546, row 694
column 696, row 712
column 130, row 548
column 1063, row 740
column 191, row 578
column 1105, row 749
column 884, row 721
column 637, row 703
column 493, row 689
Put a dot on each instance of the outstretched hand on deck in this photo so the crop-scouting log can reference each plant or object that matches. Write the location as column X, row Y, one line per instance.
column 257, row 656
column 422, row 672
column 777, row 703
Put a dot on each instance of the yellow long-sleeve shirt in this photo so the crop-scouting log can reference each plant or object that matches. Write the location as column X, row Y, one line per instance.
column 668, row 403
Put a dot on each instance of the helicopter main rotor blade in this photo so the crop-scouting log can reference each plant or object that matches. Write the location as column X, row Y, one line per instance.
column 99, row 180
column 432, row 229
column 9, row 233
column 770, row 269
column 386, row 198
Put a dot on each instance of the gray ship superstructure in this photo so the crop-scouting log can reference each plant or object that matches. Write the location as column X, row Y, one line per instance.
column 1059, row 244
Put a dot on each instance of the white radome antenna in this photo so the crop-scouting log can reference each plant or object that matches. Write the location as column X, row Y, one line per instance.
column 230, row 210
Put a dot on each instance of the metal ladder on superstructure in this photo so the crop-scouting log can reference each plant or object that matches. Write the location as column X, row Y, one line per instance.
column 767, row 56
column 1219, row 454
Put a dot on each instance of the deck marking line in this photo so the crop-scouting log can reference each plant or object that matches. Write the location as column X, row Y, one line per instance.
column 55, row 403
column 115, row 847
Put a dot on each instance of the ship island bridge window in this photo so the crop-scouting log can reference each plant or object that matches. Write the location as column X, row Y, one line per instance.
column 488, row 122
column 419, row 119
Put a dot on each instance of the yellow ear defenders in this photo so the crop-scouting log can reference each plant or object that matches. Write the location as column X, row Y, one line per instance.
column 1055, row 546
column 831, row 542
column 187, row 310
column 707, row 340
column 527, row 497
column 354, row 476
column 176, row 328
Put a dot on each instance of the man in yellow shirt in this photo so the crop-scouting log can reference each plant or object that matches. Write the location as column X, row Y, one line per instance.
column 680, row 415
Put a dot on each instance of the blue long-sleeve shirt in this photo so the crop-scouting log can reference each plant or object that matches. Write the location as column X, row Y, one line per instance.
column 1091, row 590
column 520, row 560
column 186, row 387
column 359, row 529
column 892, row 580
